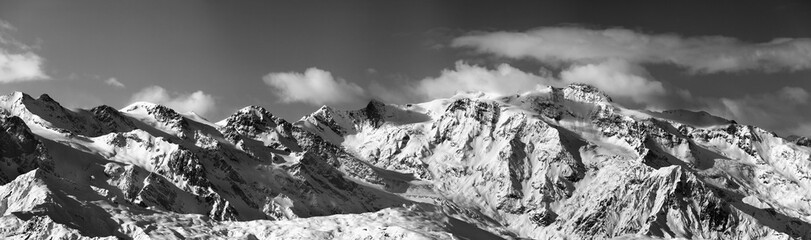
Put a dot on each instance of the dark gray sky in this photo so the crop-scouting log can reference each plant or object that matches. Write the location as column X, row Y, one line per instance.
column 216, row 53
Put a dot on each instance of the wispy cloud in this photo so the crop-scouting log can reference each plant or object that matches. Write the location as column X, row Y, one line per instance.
column 114, row 82
column 17, row 60
column 198, row 102
column 783, row 110
column 314, row 86
column 708, row 54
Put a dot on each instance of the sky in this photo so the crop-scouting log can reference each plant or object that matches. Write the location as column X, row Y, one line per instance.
column 744, row 60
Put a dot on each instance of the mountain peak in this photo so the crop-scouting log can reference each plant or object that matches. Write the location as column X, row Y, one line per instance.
column 695, row 118
column 158, row 112
column 375, row 102
column 375, row 106
column 19, row 94
column 252, row 117
column 16, row 96
column 139, row 105
column 151, row 109
column 253, row 109
column 580, row 92
column 46, row 98
column 324, row 111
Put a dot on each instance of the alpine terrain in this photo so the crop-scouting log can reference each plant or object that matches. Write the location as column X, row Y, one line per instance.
column 550, row 163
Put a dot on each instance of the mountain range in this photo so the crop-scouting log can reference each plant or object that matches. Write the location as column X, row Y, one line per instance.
column 549, row 163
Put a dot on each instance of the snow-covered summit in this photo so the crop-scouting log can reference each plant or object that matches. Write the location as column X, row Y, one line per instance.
column 579, row 92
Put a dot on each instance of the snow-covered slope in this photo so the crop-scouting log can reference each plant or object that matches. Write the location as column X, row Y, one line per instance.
column 550, row 163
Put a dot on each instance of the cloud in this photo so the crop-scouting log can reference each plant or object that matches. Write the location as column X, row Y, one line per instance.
column 614, row 59
column 17, row 62
column 314, row 86
column 783, row 111
column 618, row 79
column 464, row 77
column 20, row 67
column 708, row 54
column 502, row 80
column 114, row 82
column 198, row 102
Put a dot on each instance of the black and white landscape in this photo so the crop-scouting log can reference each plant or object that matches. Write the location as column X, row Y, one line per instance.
column 474, row 121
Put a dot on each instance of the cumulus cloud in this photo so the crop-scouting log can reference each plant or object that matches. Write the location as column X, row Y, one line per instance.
column 114, row 82
column 708, row 54
column 314, row 86
column 20, row 67
column 17, row 61
column 618, row 79
column 198, row 102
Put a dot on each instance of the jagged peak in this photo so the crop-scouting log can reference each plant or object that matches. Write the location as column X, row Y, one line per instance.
column 46, row 98
column 253, row 109
column 375, row 103
column 584, row 87
column 16, row 96
column 581, row 92
column 324, row 111
column 695, row 118
column 139, row 105
column 21, row 96
column 375, row 106
column 325, row 108
column 251, row 116
column 159, row 112
column 103, row 108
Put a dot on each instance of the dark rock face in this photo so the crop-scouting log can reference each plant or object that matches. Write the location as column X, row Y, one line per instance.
column 20, row 150
column 544, row 218
column 803, row 141
column 111, row 120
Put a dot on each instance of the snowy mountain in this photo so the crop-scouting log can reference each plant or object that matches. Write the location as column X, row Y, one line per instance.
column 551, row 163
